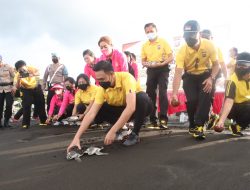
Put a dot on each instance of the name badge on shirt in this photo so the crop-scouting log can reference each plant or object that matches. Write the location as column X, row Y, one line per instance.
column 204, row 54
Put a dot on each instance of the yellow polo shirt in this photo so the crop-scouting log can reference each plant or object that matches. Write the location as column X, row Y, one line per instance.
column 125, row 83
column 238, row 90
column 157, row 51
column 86, row 96
column 28, row 82
column 197, row 62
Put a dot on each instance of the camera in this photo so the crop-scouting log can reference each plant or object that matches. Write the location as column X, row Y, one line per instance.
column 23, row 73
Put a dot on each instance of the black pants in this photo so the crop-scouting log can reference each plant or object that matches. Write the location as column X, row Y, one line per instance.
column 8, row 98
column 33, row 96
column 157, row 77
column 80, row 108
column 67, row 113
column 19, row 113
column 50, row 95
column 198, row 102
column 111, row 114
column 240, row 114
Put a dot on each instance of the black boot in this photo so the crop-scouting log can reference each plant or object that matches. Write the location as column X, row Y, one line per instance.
column 6, row 123
column 1, row 127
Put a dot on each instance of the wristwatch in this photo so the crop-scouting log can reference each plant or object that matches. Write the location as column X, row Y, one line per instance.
column 212, row 77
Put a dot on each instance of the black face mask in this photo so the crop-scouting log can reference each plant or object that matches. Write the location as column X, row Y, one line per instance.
column 68, row 88
column 83, row 86
column 105, row 85
column 55, row 60
column 191, row 41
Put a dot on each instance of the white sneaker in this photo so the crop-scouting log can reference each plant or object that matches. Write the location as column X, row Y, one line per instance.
column 65, row 122
column 123, row 134
column 57, row 123
column 71, row 123
column 78, row 123
column 73, row 118
column 125, row 127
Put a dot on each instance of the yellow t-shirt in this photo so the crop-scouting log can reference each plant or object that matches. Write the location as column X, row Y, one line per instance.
column 86, row 96
column 157, row 51
column 138, row 85
column 197, row 62
column 28, row 82
column 239, row 90
column 124, row 83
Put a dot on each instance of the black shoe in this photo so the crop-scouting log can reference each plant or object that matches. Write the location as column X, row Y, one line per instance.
column 25, row 126
column 131, row 140
column 152, row 125
column 163, row 124
column 6, row 124
column 214, row 118
column 236, row 130
column 198, row 133
column 43, row 124
column 191, row 130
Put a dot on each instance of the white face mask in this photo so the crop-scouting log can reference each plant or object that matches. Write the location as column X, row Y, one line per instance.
column 58, row 91
column 151, row 35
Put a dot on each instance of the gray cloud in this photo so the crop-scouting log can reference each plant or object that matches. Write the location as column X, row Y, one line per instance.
column 26, row 20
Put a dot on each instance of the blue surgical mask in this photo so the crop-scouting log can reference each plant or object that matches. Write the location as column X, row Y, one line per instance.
column 151, row 35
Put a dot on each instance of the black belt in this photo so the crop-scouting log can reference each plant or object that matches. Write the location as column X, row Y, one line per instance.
column 6, row 83
column 205, row 71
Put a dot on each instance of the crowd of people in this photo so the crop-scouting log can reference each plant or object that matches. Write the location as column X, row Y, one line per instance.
column 116, row 96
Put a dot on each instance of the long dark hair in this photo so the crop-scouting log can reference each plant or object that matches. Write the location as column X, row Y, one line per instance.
column 84, row 76
column 130, row 68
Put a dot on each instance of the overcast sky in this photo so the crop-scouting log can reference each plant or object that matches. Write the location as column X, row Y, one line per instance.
column 32, row 29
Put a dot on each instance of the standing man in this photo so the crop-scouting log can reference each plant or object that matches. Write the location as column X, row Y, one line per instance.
column 198, row 59
column 156, row 55
column 7, row 91
column 56, row 73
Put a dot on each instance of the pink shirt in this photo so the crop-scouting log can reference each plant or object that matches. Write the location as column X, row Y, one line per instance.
column 135, row 67
column 68, row 98
column 88, row 70
column 55, row 102
column 119, row 60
